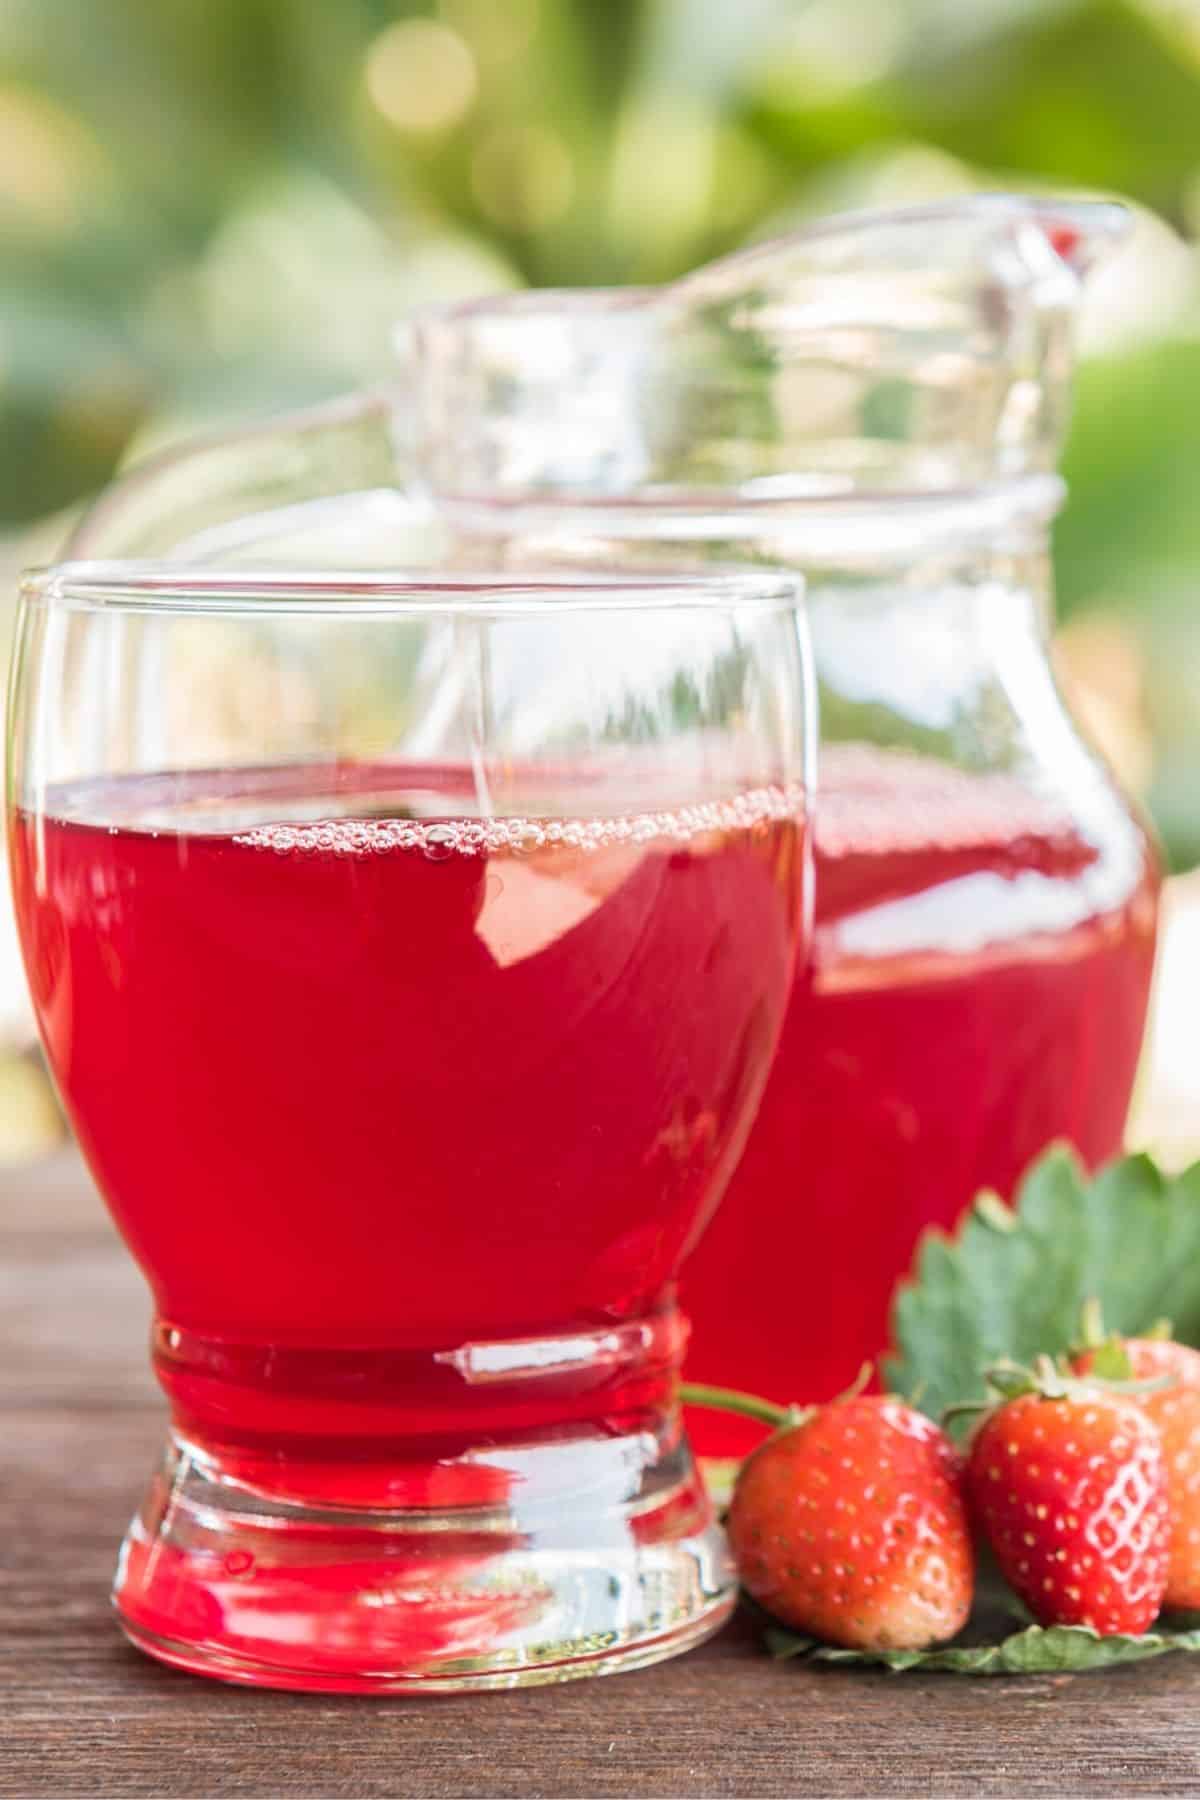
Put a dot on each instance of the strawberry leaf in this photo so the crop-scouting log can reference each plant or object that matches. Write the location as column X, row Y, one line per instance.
column 1036, row 1650
column 1012, row 1282
column 998, row 1639
column 1111, row 1362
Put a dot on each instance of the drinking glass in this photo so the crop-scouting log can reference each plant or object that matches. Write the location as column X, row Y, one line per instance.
column 410, row 954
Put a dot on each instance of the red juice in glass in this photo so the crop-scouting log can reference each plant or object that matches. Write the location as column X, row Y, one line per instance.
column 375, row 1102
column 316, row 1012
column 977, row 988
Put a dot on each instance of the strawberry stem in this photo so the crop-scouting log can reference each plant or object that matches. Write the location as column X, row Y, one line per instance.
column 750, row 1406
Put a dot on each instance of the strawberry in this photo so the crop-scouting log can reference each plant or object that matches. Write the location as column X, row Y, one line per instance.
column 1068, row 1482
column 1175, row 1411
column 850, row 1525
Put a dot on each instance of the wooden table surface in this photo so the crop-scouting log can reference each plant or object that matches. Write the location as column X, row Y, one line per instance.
column 81, row 1713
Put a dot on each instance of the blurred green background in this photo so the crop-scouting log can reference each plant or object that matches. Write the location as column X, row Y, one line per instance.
column 216, row 207
column 210, row 208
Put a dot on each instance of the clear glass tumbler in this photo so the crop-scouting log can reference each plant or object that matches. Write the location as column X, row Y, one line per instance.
column 410, row 955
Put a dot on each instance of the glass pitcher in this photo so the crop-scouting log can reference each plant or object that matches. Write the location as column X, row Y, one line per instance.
column 878, row 402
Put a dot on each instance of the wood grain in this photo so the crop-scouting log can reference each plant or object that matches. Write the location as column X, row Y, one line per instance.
column 80, row 1713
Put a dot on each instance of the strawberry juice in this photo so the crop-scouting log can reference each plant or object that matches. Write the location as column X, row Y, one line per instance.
column 977, row 987
column 373, row 1096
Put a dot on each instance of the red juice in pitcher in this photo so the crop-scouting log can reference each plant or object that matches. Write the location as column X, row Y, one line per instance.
column 371, row 1097
column 977, row 988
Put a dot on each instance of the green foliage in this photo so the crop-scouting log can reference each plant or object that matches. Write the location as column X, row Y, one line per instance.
column 209, row 207
column 1013, row 1282
column 1035, row 1650
column 1092, row 95
column 1132, row 519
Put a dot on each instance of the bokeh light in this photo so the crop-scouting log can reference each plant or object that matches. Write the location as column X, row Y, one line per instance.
column 49, row 163
column 421, row 75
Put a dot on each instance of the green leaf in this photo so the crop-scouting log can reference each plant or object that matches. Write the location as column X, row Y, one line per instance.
column 1036, row 1650
column 998, row 1639
column 1111, row 1362
column 1130, row 1238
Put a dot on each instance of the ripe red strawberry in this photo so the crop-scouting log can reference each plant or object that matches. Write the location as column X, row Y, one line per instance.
column 1175, row 1410
column 1069, row 1485
column 850, row 1525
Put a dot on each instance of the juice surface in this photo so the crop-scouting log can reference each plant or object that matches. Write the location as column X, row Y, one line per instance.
column 370, row 1095
column 977, row 988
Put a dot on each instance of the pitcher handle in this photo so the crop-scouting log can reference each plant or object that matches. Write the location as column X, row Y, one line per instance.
column 215, row 497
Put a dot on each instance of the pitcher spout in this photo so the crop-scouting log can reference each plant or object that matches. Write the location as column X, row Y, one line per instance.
column 929, row 347
column 939, row 235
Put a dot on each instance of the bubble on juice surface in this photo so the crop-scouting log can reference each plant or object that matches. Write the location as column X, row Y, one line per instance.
column 439, row 839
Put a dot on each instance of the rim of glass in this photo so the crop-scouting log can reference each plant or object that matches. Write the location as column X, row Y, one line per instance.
column 134, row 585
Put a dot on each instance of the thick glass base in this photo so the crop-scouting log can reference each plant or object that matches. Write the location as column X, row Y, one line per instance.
column 594, row 1554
